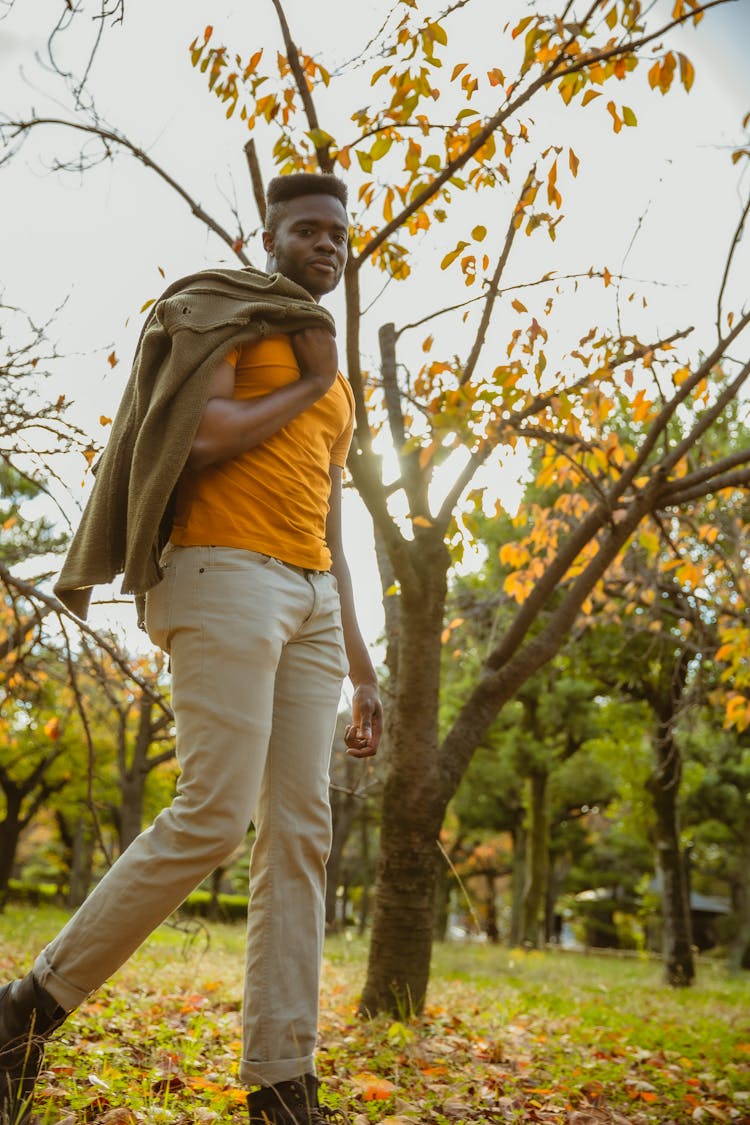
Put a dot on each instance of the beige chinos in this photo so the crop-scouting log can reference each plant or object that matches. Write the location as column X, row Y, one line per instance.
column 257, row 664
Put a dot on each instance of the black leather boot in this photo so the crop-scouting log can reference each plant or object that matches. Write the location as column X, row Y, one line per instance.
column 291, row 1103
column 28, row 1016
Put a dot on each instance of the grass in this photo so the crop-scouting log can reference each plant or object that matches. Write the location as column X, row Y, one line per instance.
column 506, row 1037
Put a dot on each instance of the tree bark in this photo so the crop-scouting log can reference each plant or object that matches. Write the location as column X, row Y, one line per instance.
column 664, row 784
column 413, row 805
column 739, row 946
column 344, row 807
column 518, row 880
column 81, row 862
column 538, row 860
column 10, row 831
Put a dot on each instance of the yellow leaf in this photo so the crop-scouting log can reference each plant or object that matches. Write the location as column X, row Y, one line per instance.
column 616, row 119
column 112, row 359
column 590, row 95
column 573, row 161
column 421, row 521
column 104, row 420
column 628, row 116
column 518, row 306
column 687, row 71
column 148, row 304
column 641, row 406
column 451, row 257
column 479, row 233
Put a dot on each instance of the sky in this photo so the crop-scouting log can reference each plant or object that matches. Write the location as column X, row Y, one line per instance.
column 658, row 202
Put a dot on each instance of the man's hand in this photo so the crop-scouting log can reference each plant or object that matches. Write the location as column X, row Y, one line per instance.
column 317, row 357
column 363, row 736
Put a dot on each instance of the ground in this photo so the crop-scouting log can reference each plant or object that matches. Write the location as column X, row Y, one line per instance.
column 555, row 1038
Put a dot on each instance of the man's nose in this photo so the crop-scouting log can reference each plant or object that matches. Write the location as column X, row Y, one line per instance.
column 325, row 242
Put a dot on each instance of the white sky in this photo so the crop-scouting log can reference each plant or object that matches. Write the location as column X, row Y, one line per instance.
column 96, row 241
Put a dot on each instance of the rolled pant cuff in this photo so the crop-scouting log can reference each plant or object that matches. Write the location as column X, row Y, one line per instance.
column 256, row 1073
column 67, row 996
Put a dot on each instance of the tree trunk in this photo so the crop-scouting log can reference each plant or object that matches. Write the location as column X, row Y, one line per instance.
column 443, row 883
column 81, row 862
column 344, row 806
column 130, row 813
column 10, row 831
column 740, row 943
column 536, row 873
column 413, row 808
column 366, row 867
column 664, row 786
column 517, row 882
column 491, row 928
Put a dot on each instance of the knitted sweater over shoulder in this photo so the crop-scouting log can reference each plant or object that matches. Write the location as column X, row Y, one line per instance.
column 190, row 328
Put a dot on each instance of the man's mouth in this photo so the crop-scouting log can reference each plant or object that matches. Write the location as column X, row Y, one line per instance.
column 322, row 264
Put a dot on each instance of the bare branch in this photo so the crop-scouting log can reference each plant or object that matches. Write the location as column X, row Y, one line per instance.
column 111, row 137
column 492, row 290
column 321, row 151
column 36, row 595
column 739, row 478
column 80, row 708
column 728, row 266
column 256, row 179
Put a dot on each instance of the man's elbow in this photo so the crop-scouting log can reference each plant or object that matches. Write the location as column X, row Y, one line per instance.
column 202, row 454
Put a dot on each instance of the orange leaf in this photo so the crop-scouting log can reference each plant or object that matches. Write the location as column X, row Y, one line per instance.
column 52, row 728
column 112, row 359
column 372, row 1088
column 518, row 306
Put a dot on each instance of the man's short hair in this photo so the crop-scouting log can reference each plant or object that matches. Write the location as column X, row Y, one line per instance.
column 283, row 188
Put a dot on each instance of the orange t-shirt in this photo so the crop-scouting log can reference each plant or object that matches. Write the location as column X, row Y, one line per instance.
column 273, row 498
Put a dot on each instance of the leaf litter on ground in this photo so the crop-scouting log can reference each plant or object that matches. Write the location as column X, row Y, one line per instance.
column 506, row 1037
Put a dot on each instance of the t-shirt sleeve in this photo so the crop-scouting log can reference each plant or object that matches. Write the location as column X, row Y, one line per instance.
column 340, row 447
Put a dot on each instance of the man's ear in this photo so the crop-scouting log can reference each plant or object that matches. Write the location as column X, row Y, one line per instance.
column 267, row 239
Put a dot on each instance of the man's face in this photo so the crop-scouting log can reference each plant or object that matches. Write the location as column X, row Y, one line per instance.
column 309, row 246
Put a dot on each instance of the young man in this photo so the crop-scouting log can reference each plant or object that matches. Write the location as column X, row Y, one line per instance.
column 232, row 437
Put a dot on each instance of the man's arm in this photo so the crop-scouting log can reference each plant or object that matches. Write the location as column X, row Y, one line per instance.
column 363, row 736
column 230, row 426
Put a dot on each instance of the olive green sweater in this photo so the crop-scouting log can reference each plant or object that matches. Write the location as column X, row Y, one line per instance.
column 190, row 328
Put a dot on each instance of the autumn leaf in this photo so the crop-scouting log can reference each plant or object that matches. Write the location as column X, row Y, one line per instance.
column 52, row 728
column 112, row 359
column 371, row 1087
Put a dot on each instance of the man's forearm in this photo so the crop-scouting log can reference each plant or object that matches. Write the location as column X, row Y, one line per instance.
column 231, row 426
column 361, row 669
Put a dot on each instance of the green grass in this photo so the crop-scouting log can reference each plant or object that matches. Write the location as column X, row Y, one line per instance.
column 506, row 1037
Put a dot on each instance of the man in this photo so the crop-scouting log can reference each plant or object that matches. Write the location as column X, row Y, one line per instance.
column 231, row 438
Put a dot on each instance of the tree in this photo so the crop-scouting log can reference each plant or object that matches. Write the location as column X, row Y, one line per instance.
column 532, row 391
column 717, row 808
